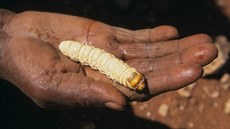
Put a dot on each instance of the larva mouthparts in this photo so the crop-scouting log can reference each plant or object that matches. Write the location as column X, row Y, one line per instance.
column 137, row 82
column 105, row 62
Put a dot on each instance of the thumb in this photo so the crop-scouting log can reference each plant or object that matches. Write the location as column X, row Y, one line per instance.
column 75, row 90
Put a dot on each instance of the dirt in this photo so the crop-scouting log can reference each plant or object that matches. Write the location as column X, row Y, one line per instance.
column 202, row 105
column 205, row 108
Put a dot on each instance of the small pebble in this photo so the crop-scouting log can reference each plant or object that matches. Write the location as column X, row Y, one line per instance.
column 226, row 86
column 212, row 94
column 181, row 107
column 227, row 107
column 201, row 108
column 225, row 78
column 148, row 114
column 163, row 110
column 225, row 81
column 134, row 103
column 215, row 94
column 190, row 124
column 143, row 106
column 186, row 92
column 215, row 104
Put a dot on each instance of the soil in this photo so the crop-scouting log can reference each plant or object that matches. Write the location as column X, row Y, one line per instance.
column 202, row 106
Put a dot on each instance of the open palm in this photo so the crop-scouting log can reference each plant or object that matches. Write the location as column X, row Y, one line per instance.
column 31, row 59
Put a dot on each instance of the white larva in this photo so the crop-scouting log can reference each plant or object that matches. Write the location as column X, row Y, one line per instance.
column 105, row 62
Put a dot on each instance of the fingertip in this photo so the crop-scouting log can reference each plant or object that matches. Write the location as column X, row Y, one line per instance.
column 163, row 32
column 205, row 38
column 202, row 54
column 116, row 104
column 212, row 53
column 184, row 75
column 172, row 31
column 117, row 101
column 174, row 78
column 197, row 39
column 110, row 96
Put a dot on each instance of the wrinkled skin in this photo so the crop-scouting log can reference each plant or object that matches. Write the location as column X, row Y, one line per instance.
column 30, row 59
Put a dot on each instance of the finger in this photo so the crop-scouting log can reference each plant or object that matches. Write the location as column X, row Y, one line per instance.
column 163, row 48
column 173, row 79
column 160, row 33
column 74, row 90
column 5, row 15
column 202, row 54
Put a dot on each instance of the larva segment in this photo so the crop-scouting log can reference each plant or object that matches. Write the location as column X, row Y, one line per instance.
column 105, row 62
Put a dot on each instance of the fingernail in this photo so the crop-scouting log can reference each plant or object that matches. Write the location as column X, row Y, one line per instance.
column 114, row 106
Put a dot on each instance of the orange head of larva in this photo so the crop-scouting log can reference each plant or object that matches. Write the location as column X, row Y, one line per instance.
column 137, row 82
column 141, row 86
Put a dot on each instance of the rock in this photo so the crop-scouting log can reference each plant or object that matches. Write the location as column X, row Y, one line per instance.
column 133, row 103
column 226, row 86
column 148, row 114
column 225, row 78
column 143, row 106
column 186, row 92
column 225, row 81
column 190, row 124
column 212, row 93
column 227, row 107
column 163, row 110
column 215, row 94
column 181, row 107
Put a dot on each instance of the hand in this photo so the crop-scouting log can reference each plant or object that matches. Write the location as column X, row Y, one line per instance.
column 31, row 60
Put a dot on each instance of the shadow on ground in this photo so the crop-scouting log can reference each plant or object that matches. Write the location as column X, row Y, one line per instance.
column 106, row 119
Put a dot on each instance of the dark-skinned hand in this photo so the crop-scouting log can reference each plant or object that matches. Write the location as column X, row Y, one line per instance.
column 31, row 60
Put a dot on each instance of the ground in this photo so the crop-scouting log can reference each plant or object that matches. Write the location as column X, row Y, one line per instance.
column 202, row 105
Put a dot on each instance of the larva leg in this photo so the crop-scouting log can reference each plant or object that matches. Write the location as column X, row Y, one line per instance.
column 105, row 62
